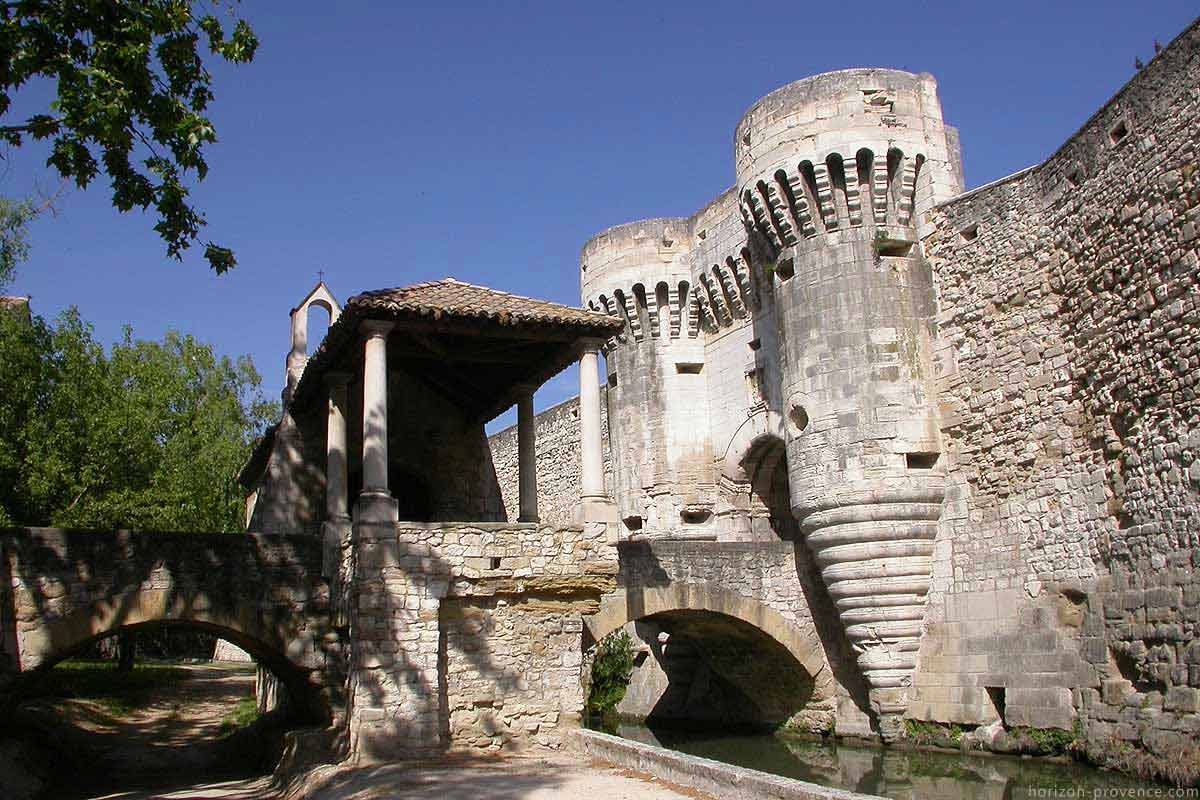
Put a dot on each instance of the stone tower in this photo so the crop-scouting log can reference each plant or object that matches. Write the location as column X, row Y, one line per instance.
column 834, row 173
column 663, row 470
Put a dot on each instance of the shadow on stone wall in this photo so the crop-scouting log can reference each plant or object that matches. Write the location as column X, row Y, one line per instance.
column 833, row 635
column 68, row 589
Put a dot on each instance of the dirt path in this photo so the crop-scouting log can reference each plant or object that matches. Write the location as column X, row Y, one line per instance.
column 173, row 737
column 557, row 776
column 168, row 748
column 173, row 716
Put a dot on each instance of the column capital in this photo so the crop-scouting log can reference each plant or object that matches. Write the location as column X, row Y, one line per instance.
column 374, row 328
column 334, row 378
column 590, row 345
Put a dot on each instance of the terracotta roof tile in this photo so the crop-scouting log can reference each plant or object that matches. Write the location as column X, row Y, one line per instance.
column 451, row 298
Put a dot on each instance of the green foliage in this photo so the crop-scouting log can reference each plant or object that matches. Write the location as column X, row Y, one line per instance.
column 148, row 437
column 14, row 239
column 933, row 734
column 611, row 670
column 132, row 93
column 119, row 693
column 1047, row 741
column 243, row 714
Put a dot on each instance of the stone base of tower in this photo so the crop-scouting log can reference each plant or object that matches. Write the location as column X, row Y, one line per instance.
column 890, row 706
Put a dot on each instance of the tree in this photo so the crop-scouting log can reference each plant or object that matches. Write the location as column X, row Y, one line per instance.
column 15, row 216
column 132, row 92
column 148, row 437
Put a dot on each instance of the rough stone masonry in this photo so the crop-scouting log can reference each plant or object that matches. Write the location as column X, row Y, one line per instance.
column 869, row 449
column 977, row 410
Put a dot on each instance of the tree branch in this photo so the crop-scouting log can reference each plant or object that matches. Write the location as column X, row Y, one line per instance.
column 29, row 126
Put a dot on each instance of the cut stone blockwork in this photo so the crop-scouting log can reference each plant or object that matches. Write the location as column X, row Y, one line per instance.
column 976, row 409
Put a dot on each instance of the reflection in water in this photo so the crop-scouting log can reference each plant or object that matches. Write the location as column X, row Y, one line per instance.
column 898, row 774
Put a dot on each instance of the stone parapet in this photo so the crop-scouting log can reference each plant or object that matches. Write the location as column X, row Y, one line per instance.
column 713, row 778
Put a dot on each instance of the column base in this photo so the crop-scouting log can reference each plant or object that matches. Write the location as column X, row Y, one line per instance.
column 376, row 507
column 601, row 510
column 598, row 508
column 335, row 534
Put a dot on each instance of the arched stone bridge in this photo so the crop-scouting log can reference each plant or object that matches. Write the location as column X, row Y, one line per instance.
column 62, row 590
column 752, row 614
column 443, row 622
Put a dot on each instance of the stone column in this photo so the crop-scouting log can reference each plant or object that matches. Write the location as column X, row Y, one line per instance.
column 596, row 505
column 337, row 509
column 527, row 458
column 591, row 445
column 376, row 503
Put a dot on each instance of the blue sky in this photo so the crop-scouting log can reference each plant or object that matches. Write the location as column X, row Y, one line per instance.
column 389, row 143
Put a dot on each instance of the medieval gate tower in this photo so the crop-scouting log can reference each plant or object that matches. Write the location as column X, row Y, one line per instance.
column 808, row 276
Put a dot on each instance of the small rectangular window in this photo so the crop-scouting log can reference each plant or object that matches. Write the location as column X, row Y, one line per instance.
column 785, row 269
column 892, row 248
column 688, row 368
column 970, row 234
column 612, row 379
column 495, row 562
column 920, row 460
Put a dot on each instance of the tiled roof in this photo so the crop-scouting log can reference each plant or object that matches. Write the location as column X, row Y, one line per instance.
column 451, row 298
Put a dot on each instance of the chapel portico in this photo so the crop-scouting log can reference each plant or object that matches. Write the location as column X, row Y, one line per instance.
column 393, row 405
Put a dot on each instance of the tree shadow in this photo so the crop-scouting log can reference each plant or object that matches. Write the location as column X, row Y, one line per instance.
column 264, row 592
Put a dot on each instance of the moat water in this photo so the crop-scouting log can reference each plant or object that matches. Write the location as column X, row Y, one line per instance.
column 895, row 773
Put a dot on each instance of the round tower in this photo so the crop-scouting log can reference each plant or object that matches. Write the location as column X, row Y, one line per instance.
column 834, row 174
column 657, row 397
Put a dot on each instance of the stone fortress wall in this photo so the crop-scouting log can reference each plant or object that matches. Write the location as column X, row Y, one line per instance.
column 1069, row 335
column 991, row 394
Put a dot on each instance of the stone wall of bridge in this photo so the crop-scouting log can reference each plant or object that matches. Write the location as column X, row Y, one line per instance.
column 763, row 600
column 60, row 590
column 469, row 635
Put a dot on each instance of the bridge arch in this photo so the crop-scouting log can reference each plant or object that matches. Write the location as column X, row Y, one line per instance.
column 272, row 641
column 637, row 603
column 62, row 590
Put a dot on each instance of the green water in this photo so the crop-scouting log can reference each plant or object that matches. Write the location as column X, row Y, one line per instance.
column 899, row 774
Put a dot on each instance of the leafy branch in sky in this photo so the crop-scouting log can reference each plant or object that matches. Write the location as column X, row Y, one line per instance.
column 132, row 93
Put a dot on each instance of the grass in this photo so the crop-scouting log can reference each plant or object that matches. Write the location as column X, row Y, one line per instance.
column 933, row 734
column 1049, row 741
column 118, row 693
column 243, row 714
